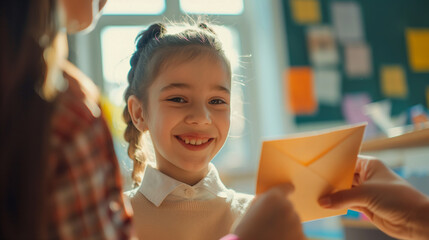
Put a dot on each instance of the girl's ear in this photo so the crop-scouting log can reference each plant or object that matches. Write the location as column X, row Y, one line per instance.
column 135, row 108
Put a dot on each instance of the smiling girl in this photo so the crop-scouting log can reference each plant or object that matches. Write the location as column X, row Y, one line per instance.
column 180, row 91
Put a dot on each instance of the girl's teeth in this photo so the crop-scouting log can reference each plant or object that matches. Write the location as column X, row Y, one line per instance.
column 194, row 141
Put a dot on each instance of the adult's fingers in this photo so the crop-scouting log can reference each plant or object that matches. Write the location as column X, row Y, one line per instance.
column 276, row 196
column 354, row 197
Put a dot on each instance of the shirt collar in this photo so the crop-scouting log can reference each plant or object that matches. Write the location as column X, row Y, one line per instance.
column 156, row 186
column 212, row 183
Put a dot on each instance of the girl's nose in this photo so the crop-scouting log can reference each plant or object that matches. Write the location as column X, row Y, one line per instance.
column 199, row 115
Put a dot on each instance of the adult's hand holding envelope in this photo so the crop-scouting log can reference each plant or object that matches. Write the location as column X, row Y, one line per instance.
column 316, row 163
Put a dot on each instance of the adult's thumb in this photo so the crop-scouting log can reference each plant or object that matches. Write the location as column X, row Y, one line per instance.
column 286, row 188
column 354, row 197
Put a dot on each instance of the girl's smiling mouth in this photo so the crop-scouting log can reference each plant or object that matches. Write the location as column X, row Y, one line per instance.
column 194, row 142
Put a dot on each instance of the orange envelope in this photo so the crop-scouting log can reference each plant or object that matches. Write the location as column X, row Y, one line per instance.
column 316, row 163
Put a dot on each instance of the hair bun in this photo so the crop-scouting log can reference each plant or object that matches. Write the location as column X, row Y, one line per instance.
column 155, row 30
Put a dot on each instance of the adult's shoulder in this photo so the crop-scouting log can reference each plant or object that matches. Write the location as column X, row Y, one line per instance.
column 77, row 106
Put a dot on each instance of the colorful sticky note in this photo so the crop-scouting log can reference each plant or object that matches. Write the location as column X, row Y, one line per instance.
column 328, row 86
column 327, row 167
column 300, row 90
column 305, row 11
column 358, row 60
column 347, row 20
column 321, row 46
column 353, row 107
column 418, row 49
column 393, row 81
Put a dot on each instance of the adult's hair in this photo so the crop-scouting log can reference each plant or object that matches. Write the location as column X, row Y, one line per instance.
column 27, row 28
column 154, row 51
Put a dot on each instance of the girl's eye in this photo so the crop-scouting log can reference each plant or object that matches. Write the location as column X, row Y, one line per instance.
column 217, row 101
column 177, row 100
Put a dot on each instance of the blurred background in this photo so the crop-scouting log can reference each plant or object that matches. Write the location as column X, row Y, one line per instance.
column 299, row 65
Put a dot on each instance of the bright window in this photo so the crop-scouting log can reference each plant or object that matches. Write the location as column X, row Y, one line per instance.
column 227, row 7
column 134, row 7
column 117, row 46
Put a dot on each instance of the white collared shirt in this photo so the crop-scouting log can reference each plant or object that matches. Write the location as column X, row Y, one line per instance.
column 158, row 187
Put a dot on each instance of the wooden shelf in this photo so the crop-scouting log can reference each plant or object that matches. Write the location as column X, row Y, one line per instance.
column 407, row 140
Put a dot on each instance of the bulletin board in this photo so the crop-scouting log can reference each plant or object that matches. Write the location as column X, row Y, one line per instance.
column 384, row 25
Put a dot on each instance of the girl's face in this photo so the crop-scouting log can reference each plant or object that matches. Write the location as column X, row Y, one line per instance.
column 188, row 116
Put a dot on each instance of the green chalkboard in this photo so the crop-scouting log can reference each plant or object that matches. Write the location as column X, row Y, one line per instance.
column 384, row 25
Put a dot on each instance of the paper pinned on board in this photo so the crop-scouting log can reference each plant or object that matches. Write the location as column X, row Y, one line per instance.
column 358, row 60
column 393, row 81
column 306, row 11
column 353, row 108
column 328, row 86
column 322, row 47
column 347, row 20
column 325, row 167
column 299, row 84
column 418, row 49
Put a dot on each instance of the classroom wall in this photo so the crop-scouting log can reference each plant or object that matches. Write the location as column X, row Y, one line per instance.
column 383, row 25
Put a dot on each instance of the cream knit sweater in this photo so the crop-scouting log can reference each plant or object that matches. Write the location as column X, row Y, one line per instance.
column 190, row 220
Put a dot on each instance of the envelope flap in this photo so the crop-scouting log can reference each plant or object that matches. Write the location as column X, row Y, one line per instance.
column 308, row 148
column 337, row 165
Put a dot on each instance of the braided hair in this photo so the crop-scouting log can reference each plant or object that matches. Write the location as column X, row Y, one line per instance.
column 154, row 47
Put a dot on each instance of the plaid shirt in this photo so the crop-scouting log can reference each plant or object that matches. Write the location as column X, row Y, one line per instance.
column 86, row 200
